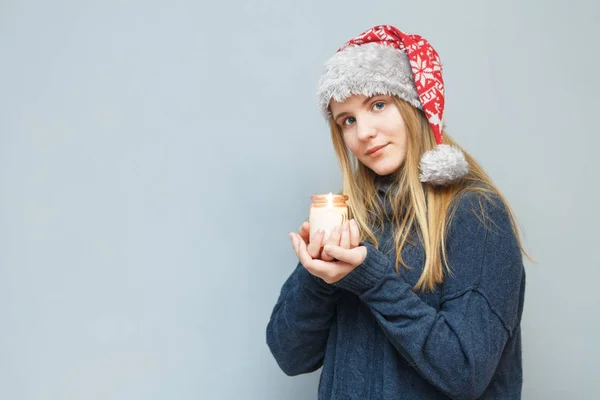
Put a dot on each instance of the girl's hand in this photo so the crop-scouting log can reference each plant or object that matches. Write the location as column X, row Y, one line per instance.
column 304, row 232
column 347, row 236
column 312, row 247
column 330, row 272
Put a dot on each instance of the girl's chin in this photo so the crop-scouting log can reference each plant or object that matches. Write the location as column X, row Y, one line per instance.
column 383, row 169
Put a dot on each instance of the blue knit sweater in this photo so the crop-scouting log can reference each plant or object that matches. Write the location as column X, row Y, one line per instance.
column 375, row 338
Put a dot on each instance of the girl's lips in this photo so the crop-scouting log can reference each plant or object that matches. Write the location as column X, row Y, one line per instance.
column 377, row 150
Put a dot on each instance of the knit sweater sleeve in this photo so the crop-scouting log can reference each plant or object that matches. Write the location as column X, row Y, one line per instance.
column 298, row 329
column 458, row 347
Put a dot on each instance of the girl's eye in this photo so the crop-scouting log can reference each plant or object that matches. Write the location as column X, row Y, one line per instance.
column 379, row 105
column 348, row 121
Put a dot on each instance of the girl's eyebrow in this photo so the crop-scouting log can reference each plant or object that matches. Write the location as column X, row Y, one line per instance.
column 363, row 103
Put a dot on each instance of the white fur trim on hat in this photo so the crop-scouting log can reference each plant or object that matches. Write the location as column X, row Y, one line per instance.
column 443, row 164
column 368, row 69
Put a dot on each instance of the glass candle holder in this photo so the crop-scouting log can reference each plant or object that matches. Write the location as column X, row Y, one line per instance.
column 326, row 212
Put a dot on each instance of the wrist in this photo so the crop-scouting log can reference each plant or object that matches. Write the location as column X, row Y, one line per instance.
column 368, row 273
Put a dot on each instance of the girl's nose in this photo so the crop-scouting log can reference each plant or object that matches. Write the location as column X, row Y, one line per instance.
column 365, row 129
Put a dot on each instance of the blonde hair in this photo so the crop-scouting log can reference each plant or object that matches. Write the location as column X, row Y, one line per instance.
column 417, row 207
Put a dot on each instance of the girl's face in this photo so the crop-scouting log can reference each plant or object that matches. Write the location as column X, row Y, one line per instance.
column 373, row 130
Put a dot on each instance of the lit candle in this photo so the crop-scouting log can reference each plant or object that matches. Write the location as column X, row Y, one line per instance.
column 327, row 212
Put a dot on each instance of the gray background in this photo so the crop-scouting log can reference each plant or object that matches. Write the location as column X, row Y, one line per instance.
column 154, row 156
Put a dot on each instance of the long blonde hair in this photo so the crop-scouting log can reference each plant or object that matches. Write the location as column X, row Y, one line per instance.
column 417, row 207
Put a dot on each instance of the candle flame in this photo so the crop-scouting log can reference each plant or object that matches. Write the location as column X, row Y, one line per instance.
column 330, row 200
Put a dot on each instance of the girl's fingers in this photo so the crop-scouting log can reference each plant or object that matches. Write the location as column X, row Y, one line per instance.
column 302, row 253
column 328, row 272
column 333, row 240
column 354, row 256
column 314, row 247
column 354, row 234
column 345, row 239
column 304, row 232
column 317, row 267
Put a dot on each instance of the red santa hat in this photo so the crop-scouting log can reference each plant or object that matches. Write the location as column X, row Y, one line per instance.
column 385, row 60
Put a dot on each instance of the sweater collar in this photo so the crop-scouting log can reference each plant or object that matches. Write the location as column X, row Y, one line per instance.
column 383, row 183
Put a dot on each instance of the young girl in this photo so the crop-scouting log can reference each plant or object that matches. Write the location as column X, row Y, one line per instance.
column 420, row 296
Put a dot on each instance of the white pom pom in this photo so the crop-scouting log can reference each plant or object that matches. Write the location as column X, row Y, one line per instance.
column 443, row 165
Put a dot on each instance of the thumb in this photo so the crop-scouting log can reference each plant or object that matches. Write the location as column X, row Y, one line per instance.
column 354, row 256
